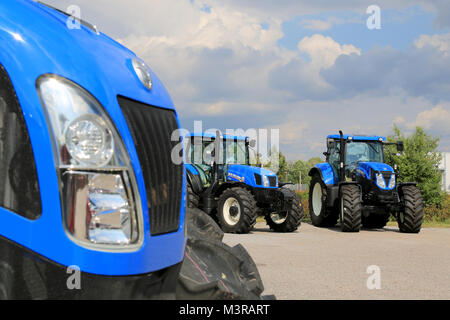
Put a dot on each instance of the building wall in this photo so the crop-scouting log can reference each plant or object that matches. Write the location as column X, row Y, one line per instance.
column 445, row 167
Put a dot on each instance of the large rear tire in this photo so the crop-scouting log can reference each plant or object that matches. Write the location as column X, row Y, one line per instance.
column 237, row 211
column 211, row 269
column 410, row 218
column 320, row 215
column 286, row 221
column 193, row 200
column 350, row 208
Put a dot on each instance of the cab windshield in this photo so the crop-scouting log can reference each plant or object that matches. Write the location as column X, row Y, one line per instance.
column 358, row 151
column 232, row 152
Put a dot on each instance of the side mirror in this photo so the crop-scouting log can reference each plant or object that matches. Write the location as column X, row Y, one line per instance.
column 331, row 144
column 252, row 143
column 400, row 146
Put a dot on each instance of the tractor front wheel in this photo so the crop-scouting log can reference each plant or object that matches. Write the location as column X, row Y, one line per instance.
column 237, row 210
column 410, row 218
column 286, row 221
column 350, row 208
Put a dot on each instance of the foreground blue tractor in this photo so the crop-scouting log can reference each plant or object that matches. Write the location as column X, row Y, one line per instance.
column 233, row 192
column 91, row 205
column 356, row 186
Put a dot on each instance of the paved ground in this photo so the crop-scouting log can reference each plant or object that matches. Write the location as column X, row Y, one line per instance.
column 316, row 263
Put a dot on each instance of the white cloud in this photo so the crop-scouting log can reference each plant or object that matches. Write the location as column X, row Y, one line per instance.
column 436, row 119
column 440, row 41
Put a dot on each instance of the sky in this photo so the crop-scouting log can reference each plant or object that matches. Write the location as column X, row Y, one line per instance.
column 307, row 68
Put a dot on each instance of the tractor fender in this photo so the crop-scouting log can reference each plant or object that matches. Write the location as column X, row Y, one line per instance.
column 325, row 171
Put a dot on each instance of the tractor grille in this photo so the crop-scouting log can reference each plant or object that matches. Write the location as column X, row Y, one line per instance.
column 19, row 186
column 258, row 179
column 272, row 181
column 386, row 176
column 151, row 128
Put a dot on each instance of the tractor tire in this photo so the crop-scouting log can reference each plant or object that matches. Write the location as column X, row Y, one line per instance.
column 410, row 219
column 193, row 200
column 211, row 269
column 237, row 211
column 375, row 221
column 350, row 208
column 288, row 221
column 318, row 211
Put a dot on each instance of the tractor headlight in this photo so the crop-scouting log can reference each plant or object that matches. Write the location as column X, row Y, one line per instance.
column 98, row 185
column 392, row 182
column 380, row 180
column 266, row 181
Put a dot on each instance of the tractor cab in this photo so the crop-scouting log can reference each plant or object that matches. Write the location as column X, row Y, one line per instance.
column 221, row 177
column 231, row 161
column 357, row 186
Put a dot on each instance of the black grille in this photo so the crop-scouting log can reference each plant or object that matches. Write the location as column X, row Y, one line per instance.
column 152, row 128
column 386, row 176
column 258, row 179
column 272, row 181
column 19, row 187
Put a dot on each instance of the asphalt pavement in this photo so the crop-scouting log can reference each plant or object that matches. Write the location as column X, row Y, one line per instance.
column 324, row 263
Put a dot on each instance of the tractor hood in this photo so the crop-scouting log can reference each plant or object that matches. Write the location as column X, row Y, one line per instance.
column 375, row 166
column 249, row 175
column 385, row 180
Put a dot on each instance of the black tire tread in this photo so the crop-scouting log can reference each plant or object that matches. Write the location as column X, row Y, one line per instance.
column 413, row 210
column 352, row 220
column 213, row 270
column 293, row 219
column 248, row 210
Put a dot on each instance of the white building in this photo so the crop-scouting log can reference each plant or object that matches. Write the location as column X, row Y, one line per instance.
column 445, row 168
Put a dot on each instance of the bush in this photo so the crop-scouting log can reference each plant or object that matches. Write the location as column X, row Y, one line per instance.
column 438, row 213
column 304, row 196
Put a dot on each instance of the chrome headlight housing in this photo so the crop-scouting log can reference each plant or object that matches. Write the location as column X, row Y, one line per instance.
column 98, row 185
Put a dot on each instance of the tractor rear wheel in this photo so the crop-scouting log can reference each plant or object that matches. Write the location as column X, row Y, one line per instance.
column 410, row 219
column 193, row 200
column 350, row 208
column 212, row 270
column 375, row 221
column 286, row 221
column 237, row 211
column 320, row 215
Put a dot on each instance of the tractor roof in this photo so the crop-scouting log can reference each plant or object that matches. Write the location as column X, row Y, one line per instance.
column 358, row 137
column 213, row 136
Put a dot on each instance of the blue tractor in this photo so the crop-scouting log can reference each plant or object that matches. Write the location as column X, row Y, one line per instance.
column 222, row 183
column 356, row 186
column 91, row 205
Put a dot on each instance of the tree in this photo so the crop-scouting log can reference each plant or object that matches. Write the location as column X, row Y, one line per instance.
column 419, row 163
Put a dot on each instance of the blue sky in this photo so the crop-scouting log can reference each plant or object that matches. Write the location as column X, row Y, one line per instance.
column 307, row 68
column 399, row 28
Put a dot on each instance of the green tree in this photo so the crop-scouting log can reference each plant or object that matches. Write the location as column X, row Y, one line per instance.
column 419, row 163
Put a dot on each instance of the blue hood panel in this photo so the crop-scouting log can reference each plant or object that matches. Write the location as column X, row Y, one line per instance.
column 246, row 174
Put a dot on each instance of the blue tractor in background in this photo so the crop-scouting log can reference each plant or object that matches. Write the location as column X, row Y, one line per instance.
column 222, row 183
column 91, row 203
column 356, row 186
